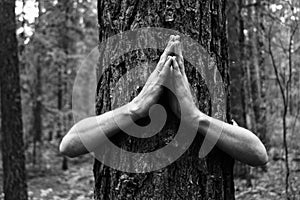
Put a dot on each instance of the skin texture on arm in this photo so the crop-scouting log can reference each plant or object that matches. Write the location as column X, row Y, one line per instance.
column 93, row 128
column 238, row 142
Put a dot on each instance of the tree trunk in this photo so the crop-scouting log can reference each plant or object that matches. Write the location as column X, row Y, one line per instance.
column 236, row 57
column 66, row 45
column 37, row 101
column 238, row 91
column 14, row 186
column 190, row 177
column 257, row 87
column 37, row 113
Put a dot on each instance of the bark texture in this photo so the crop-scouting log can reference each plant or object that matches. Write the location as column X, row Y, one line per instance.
column 189, row 177
column 14, row 185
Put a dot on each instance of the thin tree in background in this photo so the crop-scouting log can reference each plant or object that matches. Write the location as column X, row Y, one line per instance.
column 237, row 63
column 14, row 176
column 66, row 47
column 247, row 71
column 257, row 69
column 282, row 42
column 38, row 97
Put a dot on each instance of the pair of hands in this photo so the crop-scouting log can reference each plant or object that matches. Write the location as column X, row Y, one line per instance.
column 169, row 71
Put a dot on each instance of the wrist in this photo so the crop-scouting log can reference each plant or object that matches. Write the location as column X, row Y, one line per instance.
column 196, row 118
column 202, row 122
column 135, row 110
column 190, row 114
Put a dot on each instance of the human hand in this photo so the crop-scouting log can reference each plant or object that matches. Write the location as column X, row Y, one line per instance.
column 153, row 88
column 182, row 103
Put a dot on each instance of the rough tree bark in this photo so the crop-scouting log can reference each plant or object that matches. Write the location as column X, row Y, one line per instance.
column 14, row 176
column 189, row 177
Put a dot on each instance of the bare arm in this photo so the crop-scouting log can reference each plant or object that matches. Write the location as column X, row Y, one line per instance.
column 95, row 128
column 92, row 129
column 238, row 142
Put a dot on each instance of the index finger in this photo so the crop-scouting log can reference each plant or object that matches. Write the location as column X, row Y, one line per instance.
column 166, row 68
column 168, row 50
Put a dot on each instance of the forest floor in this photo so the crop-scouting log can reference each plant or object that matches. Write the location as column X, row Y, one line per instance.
column 47, row 181
column 77, row 182
column 270, row 184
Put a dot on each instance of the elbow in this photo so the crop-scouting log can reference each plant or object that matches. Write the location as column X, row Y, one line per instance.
column 261, row 156
column 66, row 148
column 264, row 158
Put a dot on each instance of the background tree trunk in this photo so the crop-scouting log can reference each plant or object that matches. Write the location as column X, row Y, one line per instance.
column 236, row 45
column 14, row 186
column 37, row 102
column 189, row 177
column 238, row 91
column 66, row 46
column 257, row 68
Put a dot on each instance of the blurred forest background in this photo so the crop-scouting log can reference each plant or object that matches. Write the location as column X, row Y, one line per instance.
column 54, row 36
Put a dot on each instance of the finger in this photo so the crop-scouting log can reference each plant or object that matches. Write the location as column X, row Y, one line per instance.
column 172, row 38
column 176, row 70
column 178, row 52
column 179, row 67
column 168, row 49
column 234, row 123
column 175, row 64
column 166, row 68
column 181, row 64
column 177, row 37
column 164, row 56
column 177, row 48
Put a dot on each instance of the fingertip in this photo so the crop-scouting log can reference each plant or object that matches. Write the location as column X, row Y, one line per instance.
column 177, row 37
column 175, row 64
column 175, row 59
column 172, row 37
column 169, row 60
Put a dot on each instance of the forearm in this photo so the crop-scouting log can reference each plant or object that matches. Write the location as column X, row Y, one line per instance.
column 238, row 142
column 93, row 130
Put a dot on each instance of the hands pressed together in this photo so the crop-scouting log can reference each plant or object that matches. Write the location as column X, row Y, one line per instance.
column 236, row 141
column 169, row 71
